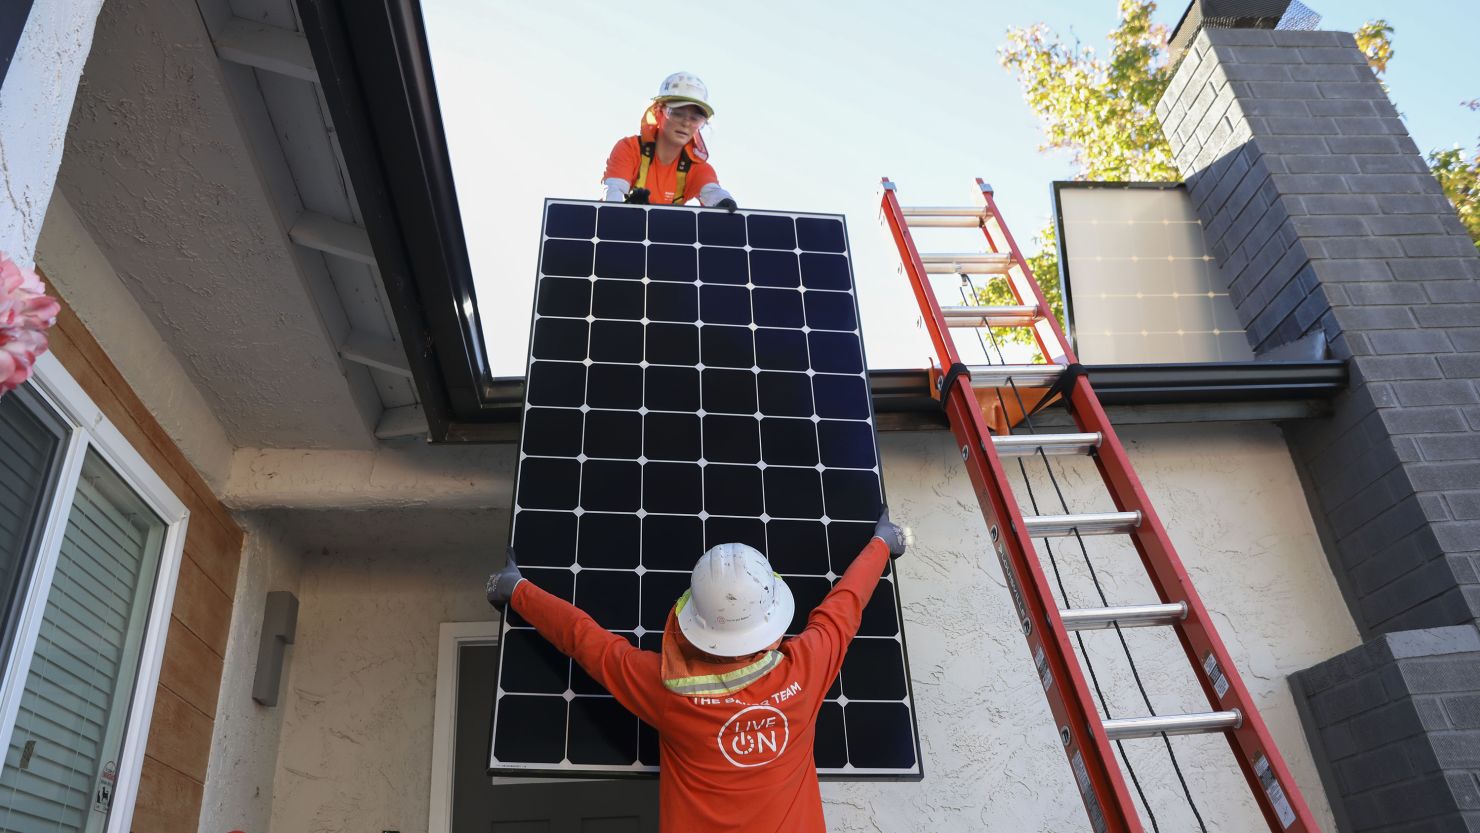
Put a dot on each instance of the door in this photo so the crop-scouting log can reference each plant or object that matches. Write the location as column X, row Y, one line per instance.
column 478, row 806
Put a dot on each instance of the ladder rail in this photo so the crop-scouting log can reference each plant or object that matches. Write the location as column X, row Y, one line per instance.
column 1250, row 739
column 1103, row 788
column 1046, row 332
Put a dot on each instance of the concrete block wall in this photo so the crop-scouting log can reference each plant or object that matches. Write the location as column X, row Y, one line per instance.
column 1323, row 216
column 1398, row 722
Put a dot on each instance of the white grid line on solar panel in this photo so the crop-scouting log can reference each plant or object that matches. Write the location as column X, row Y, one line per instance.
column 856, row 357
column 700, row 413
column 701, row 462
column 696, row 213
column 642, row 571
column 700, row 367
column 699, row 325
column 763, row 518
column 584, row 696
column 807, row 312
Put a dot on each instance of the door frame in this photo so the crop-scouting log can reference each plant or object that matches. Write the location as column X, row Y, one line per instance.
column 451, row 637
column 92, row 430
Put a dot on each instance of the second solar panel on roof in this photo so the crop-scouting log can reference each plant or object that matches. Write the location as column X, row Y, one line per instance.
column 695, row 377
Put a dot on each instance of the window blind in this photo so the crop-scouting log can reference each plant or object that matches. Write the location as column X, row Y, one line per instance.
column 31, row 446
column 61, row 764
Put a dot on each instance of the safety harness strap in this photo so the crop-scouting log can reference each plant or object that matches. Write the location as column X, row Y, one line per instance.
column 649, row 149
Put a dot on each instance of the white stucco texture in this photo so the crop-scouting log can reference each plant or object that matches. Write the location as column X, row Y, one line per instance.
column 1231, row 499
column 34, row 104
column 357, row 712
column 358, row 701
column 160, row 167
column 245, row 738
column 80, row 273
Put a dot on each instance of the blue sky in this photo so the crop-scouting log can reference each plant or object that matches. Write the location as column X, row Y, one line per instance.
column 814, row 102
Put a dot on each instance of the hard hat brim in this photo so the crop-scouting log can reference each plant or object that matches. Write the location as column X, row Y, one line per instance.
column 740, row 643
column 679, row 99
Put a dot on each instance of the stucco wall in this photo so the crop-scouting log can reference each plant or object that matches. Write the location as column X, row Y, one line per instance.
column 357, row 706
column 79, row 272
column 1235, row 510
column 245, row 739
column 358, row 710
column 35, row 103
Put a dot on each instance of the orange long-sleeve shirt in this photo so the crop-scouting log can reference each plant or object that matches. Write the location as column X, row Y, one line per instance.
column 741, row 763
column 626, row 159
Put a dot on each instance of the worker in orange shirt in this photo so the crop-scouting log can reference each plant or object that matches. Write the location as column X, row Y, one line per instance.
column 735, row 706
column 666, row 163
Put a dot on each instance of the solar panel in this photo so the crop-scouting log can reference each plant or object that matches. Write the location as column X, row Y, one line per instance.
column 696, row 377
column 1142, row 285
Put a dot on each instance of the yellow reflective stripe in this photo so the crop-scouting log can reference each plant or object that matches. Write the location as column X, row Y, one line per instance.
column 727, row 683
column 682, row 600
column 642, row 169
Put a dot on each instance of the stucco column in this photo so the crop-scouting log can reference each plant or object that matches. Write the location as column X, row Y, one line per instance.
column 1326, row 222
column 35, row 105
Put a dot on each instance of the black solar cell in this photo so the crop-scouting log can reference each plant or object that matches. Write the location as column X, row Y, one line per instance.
column 696, row 378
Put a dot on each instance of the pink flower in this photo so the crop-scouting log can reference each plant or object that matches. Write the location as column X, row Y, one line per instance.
column 25, row 314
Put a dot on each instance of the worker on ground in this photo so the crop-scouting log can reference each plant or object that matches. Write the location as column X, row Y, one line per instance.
column 666, row 163
column 735, row 706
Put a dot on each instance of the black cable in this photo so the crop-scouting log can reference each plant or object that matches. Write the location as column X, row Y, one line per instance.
column 1104, row 602
column 1064, row 590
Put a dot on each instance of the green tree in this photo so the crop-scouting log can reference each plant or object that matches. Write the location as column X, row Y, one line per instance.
column 1102, row 111
column 1460, row 179
column 1457, row 172
column 1375, row 39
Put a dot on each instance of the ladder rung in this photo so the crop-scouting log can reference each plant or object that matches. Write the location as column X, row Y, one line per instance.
column 1097, row 523
column 943, row 222
column 1125, row 728
column 985, row 316
column 1126, row 616
column 1026, row 445
column 928, row 216
column 971, row 263
column 942, row 210
column 1027, row 375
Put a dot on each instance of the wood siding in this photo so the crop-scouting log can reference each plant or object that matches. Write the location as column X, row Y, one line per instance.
column 173, row 778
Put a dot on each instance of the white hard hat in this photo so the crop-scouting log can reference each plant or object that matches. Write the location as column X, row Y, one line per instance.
column 685, row 88
column 735, row 604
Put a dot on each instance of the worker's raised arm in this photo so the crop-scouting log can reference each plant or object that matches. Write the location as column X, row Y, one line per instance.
column 833, row 623
column 631, row 675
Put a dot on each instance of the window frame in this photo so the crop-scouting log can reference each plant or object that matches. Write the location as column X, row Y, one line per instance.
column 90, row 429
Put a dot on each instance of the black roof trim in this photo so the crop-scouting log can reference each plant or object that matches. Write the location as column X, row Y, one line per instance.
column 902, row 400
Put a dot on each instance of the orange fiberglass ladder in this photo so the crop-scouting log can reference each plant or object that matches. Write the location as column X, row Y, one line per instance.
column 1086, row 735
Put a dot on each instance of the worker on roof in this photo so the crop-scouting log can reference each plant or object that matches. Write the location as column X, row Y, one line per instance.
column 734, row 704
column 666, row 163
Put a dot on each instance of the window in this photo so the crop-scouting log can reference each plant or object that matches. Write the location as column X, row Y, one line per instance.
column 90, row 542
